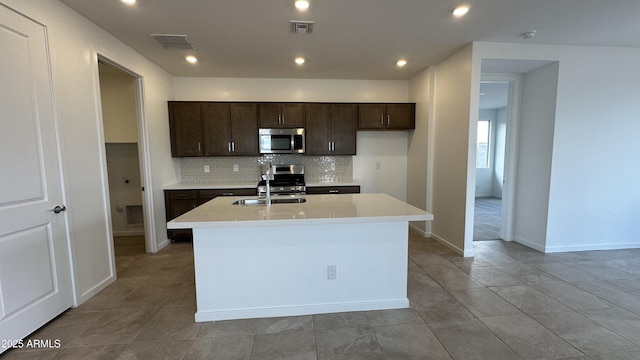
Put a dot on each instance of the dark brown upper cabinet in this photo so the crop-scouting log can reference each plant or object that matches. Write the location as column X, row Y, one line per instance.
column 230, row 129
column 213, row 129
column 386, row 116
column 330, row 129
column 281, row 115
column 185, row 127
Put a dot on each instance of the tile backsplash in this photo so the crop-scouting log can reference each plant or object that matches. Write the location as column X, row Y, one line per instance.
column 324, row 169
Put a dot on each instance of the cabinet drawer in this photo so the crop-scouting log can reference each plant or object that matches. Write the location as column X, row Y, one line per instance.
column 182, row 194
column 333, row 190
column 208, row 194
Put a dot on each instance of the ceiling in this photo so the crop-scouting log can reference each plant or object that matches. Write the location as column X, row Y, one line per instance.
column 351, row 39
column 494, row 94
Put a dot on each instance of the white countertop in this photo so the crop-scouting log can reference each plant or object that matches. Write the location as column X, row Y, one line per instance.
column 247, row 185
column 318, row 209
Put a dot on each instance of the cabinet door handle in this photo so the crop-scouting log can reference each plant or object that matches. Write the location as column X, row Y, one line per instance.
column 334, row 191
column 329, row 145
column 199, row 147
column 233, row 146
column 227, row 194
column 282, row 119
column 333, row 146
column 388, row 119
column 382, row 119
column 229, row 146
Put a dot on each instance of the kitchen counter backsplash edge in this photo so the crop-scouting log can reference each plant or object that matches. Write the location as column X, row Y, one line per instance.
column 237, row 169
column 247, row 185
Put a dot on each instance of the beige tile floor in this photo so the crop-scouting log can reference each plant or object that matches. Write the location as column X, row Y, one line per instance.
column 509, row 302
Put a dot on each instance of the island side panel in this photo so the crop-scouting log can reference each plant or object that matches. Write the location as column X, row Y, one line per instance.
column 248, row 272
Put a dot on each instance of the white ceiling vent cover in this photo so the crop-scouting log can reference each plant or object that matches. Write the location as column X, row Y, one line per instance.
column 301, row 27
column 175, row 41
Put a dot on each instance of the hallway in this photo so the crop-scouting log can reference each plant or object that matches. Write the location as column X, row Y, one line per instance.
column 487, row 219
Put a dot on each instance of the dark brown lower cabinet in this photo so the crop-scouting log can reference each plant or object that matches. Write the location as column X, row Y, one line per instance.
column 333, row 190
column 178, row 202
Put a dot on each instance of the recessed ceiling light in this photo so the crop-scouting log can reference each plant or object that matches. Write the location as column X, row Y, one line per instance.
column 302, row 4
column 191, row 59
column 299, row 60
column 401, row 62
column 461, row 10
column 129, row 2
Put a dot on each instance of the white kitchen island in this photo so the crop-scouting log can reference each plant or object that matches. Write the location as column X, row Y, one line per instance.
column 266, row 261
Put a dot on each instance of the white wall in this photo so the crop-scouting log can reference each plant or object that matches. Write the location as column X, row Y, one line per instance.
column 484, row 177
column 309, row 90
column 535, row 144
column 489, row 180
column 388, row 148
column 119, row 118
column 419, row 156
column 122, row 163
column 74, row 42
column 118, row 98
column 453, row 153
column 499, row 151
column 594, row 197
column 381, row 163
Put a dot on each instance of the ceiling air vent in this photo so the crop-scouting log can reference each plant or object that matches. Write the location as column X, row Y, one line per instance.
column 175, row 41
column 301, row 27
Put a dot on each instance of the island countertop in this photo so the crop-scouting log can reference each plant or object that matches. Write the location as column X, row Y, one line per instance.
column 318, row 209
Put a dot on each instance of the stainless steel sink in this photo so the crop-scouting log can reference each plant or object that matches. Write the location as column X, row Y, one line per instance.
column 292, row 200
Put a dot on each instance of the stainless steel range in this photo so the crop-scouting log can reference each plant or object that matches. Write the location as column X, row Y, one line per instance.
column 286, row 180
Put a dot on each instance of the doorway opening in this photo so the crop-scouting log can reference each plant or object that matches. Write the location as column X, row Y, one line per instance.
column 527, row 154
column 493, row 117
column 118, row 96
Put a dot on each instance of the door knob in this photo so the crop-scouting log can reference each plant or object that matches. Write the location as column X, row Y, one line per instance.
column 58, row 209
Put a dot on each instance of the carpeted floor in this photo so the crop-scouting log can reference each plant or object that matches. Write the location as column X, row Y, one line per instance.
column 486, row 222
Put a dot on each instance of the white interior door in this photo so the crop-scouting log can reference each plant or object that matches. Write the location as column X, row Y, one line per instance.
column 35, row 276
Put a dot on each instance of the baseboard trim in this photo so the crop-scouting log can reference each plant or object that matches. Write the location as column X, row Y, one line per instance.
column 95, row 289
column 298, row 310
column 163, row 244
column 129, row 233
column 456, row 249
column 420, row 231
column 591, row 247
column 528, row 243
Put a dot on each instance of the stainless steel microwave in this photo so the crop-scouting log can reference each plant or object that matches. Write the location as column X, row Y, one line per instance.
column 281, row 141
